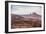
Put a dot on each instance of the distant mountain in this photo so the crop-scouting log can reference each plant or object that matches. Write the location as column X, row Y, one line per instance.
column 16, row 17
column 33, row 16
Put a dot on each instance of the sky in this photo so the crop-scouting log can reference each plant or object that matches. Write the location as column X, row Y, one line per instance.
column 24, row 9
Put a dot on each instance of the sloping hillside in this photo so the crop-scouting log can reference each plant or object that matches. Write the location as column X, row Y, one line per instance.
column 25, row 21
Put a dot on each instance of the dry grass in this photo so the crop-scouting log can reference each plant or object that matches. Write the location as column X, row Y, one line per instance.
column 25, row 24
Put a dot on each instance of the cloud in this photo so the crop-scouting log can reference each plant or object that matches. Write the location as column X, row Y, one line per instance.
column 20, row 10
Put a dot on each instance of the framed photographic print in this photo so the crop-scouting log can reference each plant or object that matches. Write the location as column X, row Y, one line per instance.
column 24, row 16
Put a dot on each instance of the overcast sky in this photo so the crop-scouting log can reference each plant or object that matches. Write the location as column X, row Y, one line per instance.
column 21, row 10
